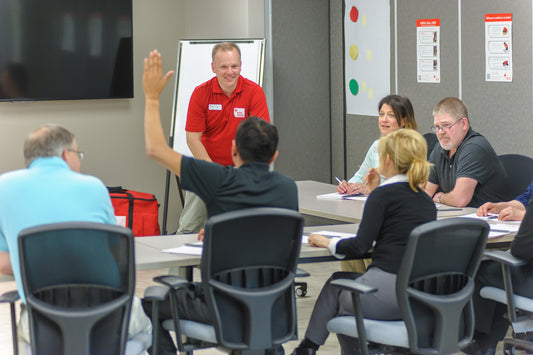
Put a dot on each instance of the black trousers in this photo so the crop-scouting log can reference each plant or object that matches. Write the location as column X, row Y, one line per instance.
column 491, row 326
column 191, row 306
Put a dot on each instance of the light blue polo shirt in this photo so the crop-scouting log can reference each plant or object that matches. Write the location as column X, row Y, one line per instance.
column 48, row 192
column 371, row 161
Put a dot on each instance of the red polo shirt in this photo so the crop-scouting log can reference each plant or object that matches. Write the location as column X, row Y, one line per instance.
column 218, row 116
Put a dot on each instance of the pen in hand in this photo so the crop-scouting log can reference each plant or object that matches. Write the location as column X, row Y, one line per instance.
column 342, row 188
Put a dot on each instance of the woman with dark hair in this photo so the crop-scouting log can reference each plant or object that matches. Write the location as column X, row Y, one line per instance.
column 395, row 112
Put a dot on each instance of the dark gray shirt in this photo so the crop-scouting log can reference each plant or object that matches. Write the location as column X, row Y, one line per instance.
column 226, row 189
column 475, row 158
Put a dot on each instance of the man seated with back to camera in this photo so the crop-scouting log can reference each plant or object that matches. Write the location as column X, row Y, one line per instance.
column 466, row 172
column 248, row 184
column 51, row 190
column 513, row 210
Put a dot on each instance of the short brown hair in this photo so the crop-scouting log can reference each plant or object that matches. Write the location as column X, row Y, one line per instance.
column 452, row 106
column 225, row 46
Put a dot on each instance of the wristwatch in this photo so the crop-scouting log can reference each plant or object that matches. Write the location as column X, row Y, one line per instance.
column 438, row 198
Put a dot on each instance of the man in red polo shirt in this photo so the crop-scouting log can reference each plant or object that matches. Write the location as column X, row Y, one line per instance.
column 215, row 110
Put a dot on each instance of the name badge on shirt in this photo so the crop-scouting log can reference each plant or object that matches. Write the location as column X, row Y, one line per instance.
column 239, row 112
column 215, row 107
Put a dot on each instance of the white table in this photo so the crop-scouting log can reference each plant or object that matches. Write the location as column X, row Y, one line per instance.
column 149, row 254
column 348, row 211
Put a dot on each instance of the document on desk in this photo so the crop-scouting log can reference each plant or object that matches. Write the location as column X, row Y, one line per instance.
column 328, row 234
column 499, row 229
column 188, row 249
column 490, row 217
column 338, row 196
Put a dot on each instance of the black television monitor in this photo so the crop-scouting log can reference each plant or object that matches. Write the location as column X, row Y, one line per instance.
column 65, row 49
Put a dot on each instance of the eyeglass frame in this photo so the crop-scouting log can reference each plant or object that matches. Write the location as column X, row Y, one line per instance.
column 79, row 153
column 445, row 129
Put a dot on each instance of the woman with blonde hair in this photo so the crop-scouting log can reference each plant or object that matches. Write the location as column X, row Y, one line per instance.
column 392, row 211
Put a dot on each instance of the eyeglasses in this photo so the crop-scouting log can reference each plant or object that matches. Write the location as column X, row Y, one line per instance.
column 80, row 154
column 444, row 128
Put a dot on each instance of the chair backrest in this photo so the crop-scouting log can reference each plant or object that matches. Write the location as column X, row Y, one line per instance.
column 248, row 266
column 79, row 279
column 519, row 170
column 436, row 281
column 431, row 140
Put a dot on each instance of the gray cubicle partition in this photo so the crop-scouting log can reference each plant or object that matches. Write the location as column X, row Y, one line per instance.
column 503, row 112
column 300, row 48
column 425, row 96
column 307, row 50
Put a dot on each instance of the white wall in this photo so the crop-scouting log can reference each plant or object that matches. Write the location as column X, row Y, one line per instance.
column 110, row 132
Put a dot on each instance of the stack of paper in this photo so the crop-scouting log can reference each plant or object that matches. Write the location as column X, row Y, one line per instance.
column 305, row 237
column 499, row 229
column 188, row 249
column 338, row 196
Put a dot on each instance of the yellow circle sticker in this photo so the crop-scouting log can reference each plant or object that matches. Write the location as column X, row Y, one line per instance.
column 354, row 51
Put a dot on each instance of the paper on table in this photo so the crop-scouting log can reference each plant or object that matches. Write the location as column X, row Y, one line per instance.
column 504, row 227
column 334, row 196
column 496, row 234
column 490, row 217
column 485, row 218
column 329, row 234
column 189, row 249
column 499, row 229
column 357, row 198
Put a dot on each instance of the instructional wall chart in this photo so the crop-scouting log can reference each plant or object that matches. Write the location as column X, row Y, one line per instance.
column 498, row 47
column 366, row 55
column 428, row 51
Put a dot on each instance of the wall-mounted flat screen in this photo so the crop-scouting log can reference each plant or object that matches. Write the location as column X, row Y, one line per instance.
column 65, row 49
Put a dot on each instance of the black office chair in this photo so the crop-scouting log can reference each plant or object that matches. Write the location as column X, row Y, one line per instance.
column 79, row 280
column 519, row 170
column 434, row 290
column 248, row 268
column 519, row 308
column 431, row 140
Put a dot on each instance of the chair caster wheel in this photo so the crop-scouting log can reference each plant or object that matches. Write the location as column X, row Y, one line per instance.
column 508, row 349
column 300, row 291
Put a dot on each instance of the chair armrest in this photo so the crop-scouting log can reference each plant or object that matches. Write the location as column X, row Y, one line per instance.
column 171, row 281
column 302, row 273
column 156, row 293
column 354, row 286
column 11, row 296
column 504, row 257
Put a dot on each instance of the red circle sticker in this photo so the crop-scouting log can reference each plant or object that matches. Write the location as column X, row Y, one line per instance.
column 354, row 14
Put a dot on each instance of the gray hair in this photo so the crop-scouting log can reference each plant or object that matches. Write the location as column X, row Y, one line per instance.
column 47, row 141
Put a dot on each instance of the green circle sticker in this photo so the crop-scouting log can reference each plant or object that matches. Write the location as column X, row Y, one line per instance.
column 354, row 87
